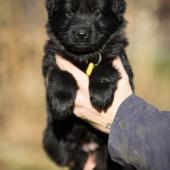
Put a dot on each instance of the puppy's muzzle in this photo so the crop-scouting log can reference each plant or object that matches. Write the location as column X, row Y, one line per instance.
column 80, row 34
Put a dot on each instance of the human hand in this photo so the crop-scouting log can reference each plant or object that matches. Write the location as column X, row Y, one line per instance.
column 83, row 108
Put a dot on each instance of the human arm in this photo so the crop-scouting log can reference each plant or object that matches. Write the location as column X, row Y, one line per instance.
column 140, row 136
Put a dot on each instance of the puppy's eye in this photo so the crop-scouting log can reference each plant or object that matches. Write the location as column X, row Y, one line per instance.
column 69, row 13
column 98, row 13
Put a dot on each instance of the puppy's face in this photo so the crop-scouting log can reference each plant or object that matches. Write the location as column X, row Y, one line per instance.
column 83, row 26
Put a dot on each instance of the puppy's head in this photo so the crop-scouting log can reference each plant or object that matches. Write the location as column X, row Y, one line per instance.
column 83, row 26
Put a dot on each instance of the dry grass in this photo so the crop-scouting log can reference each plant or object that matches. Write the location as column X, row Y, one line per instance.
column 22, row 105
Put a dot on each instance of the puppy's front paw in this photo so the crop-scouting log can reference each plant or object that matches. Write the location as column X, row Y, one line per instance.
column 102, row 94
column 61, row 92
column 62, row 104
column 103, row 84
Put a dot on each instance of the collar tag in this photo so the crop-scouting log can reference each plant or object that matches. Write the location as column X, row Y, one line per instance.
column 91, row 65
column 90, row 69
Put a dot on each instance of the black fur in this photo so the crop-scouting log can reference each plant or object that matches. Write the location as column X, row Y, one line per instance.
column 79, row 30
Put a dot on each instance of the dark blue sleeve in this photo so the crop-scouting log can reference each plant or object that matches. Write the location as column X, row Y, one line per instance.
column 140, row 136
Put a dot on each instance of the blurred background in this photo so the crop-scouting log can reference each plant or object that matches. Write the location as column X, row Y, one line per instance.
column 22, row 97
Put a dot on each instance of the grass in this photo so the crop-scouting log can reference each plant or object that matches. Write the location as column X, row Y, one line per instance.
column 162, row 65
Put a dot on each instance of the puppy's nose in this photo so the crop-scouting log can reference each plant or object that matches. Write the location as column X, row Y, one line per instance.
column 82, row 34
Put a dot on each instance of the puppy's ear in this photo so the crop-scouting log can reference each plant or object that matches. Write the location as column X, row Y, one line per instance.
column 51, row 6
column 119, row 8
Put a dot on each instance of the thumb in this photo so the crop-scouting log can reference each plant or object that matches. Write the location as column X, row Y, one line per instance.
column 117, row 63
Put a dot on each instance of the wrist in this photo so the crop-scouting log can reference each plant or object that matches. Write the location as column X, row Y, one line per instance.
column 118, row 101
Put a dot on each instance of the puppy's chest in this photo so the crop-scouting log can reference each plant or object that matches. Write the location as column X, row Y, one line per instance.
column 89, row 67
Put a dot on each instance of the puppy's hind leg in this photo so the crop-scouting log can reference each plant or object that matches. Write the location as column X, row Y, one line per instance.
column 56, row 150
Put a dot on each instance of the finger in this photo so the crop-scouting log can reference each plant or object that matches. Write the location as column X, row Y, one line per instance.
column 80, row 76
column 117, row 63
column 83, row 98
column 90, row 164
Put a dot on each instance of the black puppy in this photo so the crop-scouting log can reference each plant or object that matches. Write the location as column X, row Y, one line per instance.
column 89, row 33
